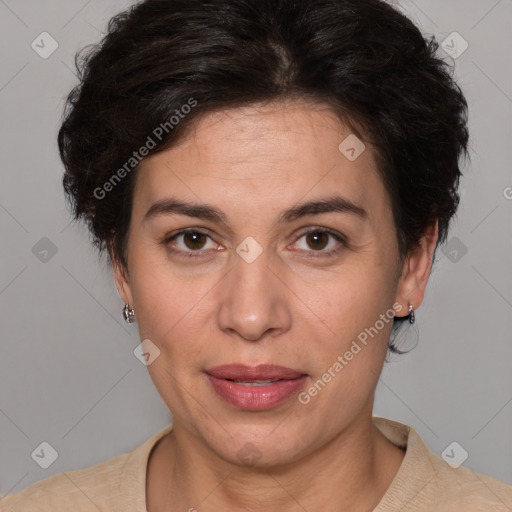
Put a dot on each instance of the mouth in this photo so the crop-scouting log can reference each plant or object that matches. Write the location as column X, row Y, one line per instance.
column 255, row 388
column 253, row 383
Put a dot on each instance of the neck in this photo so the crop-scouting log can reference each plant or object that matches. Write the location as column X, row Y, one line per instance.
column 351, row 472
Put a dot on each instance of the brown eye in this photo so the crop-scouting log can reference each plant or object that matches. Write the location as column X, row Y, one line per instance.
column 194, row 240
column 317, row 240
column 190, row 242
column 320, row 242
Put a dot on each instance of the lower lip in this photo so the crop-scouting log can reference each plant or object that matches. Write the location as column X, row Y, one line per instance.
column 256, row 398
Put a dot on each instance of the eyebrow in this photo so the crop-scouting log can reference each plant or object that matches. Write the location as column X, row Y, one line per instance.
column 336, row 204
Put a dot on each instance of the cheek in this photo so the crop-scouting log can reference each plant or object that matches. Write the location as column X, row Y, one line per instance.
column 347, row 358
column 172, row 315
column 172, row 310
column 351, row 301
column 168, row 312
column 161, row 297
column 351, row 341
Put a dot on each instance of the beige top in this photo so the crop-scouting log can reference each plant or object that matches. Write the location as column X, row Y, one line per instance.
column 424, row 482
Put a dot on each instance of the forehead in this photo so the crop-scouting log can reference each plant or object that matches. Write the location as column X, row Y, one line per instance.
column 264, row 157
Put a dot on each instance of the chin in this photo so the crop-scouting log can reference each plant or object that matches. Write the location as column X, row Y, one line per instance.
column 258, row 446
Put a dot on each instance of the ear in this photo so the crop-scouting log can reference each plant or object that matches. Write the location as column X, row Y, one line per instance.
column 416, row 271
column 122, row 279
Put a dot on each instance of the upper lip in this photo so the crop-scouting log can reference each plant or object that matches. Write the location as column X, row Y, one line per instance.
column 252, row 373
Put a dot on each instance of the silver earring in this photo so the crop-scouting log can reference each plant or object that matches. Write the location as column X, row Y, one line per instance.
column 412, row 317
column 128, row 314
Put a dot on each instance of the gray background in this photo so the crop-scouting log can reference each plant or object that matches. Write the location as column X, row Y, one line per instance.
column 68, row 375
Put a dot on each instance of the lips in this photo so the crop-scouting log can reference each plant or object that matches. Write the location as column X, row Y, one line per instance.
column 255, row 387
column 253, row 373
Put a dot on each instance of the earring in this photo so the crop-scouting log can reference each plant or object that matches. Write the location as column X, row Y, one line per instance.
column 128, row 314
column 411, row 315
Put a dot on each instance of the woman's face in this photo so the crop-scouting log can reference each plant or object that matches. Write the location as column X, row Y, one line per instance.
column 249, row 286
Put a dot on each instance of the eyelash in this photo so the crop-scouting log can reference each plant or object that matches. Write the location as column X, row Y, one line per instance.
column 313, row 254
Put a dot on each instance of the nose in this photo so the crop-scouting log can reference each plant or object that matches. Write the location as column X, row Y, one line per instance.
column 254, row 301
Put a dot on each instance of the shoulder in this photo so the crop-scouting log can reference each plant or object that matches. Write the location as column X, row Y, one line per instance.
column 84, row 489
column 468, row 490
column 426, row 482
column 117, row 484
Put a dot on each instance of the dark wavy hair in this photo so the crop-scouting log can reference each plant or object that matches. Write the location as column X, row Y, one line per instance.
column 363, row 58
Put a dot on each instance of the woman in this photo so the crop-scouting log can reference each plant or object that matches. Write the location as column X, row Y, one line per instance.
column 271, row 180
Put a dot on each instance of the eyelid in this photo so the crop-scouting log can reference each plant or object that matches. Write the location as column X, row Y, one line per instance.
column 311, row 229
column 337, row 236
column 168, row 239
column 174, row 235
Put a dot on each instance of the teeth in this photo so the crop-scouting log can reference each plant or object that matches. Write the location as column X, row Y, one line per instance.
column 255, row 382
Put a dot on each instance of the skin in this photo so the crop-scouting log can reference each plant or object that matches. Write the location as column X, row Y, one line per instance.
column 287, row 307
